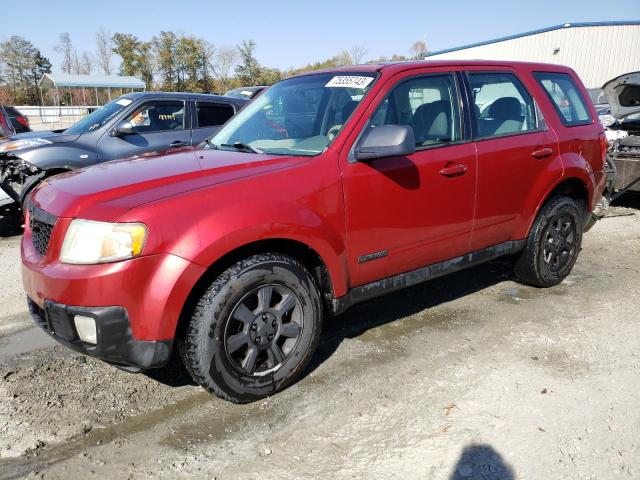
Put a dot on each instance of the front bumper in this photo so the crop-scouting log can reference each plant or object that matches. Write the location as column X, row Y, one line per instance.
column 115, row 342
column 152, row 289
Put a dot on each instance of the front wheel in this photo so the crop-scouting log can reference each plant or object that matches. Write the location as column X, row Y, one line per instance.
column 254, row 329
column 553, row 244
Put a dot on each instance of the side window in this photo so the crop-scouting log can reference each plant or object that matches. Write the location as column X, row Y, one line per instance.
column 566, row 97
column 429, row 104
column 213, row 114
column 158, row 117
column 502, row 105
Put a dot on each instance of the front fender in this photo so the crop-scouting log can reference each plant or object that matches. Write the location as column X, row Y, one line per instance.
column 59, row 156
column 204, row 225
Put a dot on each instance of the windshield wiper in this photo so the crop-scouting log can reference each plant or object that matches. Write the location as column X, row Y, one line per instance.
column 212, row 146
column 242, row 146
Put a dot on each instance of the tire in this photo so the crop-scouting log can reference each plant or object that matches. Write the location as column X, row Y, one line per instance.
column 254, row 329
column 553, row 244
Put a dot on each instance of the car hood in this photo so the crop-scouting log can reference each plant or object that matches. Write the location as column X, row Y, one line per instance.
column 24, row 142
column 107, row 190
column 57, row 136
column 623, row 93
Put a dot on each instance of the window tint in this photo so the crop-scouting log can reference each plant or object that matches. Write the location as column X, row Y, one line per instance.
column 158, row 117
column 566, row 97
column 502, row 105
column 212, row 115
column 428, row 104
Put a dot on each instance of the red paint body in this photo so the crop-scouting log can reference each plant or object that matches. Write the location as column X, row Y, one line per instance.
column 200, row 205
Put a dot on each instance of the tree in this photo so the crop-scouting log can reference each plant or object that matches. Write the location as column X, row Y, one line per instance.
column 268, row 76
column 41, row 65
column 165, row 50
column 223, row 63
column 344, row 58
column 22, row 65
column 357, row 54
column 137, row 57
column 104, row 51
column 127, row 46
column 85, row 65
column 418, row 49
column 207, row 54
column 191, row 61
column 248, row 69
column 68, row 52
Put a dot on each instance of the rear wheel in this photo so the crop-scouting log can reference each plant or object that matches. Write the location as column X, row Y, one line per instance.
column 553, row 244
column 254, row 329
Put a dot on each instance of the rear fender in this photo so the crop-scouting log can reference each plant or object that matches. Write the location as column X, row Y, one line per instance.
column 573, row 166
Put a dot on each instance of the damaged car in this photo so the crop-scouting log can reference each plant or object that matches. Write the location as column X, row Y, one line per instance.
column 134, row 124
column 623, row 133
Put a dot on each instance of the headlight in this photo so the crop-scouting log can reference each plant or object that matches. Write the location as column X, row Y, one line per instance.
column 88, row 242
column 12, row 145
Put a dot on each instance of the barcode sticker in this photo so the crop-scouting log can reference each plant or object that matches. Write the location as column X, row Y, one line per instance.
column 349, row 81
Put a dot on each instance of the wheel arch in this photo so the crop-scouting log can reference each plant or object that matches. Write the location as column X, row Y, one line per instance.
column 573, row 187
column 298, row 250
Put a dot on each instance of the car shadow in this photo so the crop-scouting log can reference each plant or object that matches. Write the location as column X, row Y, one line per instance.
column 630, row 199
column 374, row 313
column 395, row 306
column 481, row 461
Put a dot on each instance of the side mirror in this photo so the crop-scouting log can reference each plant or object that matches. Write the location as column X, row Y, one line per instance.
column 386, row 141
column 123, row 129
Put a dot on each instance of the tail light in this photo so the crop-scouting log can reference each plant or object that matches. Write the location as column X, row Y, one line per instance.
column 604, row 147
column 24, row 121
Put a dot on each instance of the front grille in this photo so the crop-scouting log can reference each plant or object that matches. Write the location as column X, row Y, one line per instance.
column 41, row 224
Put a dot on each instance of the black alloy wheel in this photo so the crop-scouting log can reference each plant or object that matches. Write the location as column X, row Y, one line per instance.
column 263, row 329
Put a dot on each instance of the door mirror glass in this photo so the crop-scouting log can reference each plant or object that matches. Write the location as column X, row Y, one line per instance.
column 386, row 141
column 123, row 129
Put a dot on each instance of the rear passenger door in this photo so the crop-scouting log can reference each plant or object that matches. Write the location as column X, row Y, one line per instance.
column 157, row 126
column 208, row 118
column 515, row 149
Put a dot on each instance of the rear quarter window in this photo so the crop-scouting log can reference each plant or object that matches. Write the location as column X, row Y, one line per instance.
column 566, row 98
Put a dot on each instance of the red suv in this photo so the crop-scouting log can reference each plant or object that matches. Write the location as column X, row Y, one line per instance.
column 328, row 189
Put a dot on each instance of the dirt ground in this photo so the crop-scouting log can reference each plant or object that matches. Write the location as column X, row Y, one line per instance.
column 472, row 376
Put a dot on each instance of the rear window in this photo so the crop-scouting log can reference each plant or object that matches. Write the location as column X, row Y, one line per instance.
column 213, row 115
column 566, row 98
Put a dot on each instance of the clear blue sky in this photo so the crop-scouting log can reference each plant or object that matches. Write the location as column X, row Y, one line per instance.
column 291, row 33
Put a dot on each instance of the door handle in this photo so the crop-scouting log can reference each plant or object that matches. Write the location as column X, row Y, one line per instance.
column 542, row 152
column 178, row 144
column 453, row 170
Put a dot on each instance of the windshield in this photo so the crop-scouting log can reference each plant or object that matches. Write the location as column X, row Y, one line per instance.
column 98, row 118
column 298, row 116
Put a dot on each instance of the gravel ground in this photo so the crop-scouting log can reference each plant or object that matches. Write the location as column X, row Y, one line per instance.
column 472, row 376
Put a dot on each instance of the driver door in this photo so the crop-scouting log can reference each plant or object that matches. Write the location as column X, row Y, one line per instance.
column 406, row 212
column 157, row 126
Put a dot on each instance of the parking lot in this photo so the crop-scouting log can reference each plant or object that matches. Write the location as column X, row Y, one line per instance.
column 469, row 376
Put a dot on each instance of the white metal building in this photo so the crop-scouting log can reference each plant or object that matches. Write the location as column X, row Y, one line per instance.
column 598, row 51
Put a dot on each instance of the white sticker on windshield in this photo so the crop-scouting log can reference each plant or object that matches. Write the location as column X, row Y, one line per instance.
column 349, row 81
column 124, row 102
